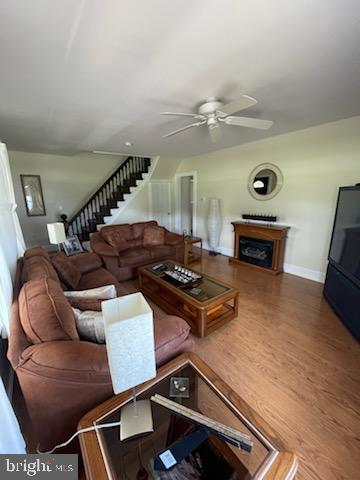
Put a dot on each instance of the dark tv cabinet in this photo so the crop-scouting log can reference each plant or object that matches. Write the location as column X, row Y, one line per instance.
column 344, row 297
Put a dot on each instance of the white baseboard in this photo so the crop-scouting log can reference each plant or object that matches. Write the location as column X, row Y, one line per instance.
column 223, row 250
column 305, row 272
column 288, row 267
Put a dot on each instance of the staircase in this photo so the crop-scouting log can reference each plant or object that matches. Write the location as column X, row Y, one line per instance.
column 109, row 196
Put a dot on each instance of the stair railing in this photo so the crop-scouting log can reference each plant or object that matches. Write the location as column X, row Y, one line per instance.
column 86, row 219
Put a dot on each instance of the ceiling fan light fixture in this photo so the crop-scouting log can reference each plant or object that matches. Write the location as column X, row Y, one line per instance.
column 212, row 122
column 213, row 111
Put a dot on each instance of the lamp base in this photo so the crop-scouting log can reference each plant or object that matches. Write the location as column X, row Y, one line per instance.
column 136, row 418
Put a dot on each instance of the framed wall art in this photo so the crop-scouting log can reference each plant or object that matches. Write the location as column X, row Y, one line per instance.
column 33, row 195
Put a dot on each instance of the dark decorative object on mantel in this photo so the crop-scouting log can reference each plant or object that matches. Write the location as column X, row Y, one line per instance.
column 255, row 216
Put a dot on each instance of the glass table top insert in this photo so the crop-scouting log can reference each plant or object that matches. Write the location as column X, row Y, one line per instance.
column 202, row 290
column 125, row 459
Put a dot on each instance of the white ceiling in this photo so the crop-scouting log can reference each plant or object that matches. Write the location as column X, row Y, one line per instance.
column 91, row 74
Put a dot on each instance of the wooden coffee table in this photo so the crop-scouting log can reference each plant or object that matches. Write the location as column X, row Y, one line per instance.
column 206, row 305
column 106, row 457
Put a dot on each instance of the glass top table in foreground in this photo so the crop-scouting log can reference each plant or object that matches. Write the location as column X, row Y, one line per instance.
column 106, row 457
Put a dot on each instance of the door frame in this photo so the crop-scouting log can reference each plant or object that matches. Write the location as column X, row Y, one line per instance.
column 162, row 182
column 177, row 179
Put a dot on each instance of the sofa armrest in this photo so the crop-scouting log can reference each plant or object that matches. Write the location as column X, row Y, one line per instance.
column 102, row 248
column 61, row 381
column 173, row 238
column 67, row 360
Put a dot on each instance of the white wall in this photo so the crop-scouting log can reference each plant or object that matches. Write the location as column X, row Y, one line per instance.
column 67, row 182
column 315, row 162
column 138, row 208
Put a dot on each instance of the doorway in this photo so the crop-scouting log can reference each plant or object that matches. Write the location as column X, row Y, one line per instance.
column 160, row 203
column 185, row 191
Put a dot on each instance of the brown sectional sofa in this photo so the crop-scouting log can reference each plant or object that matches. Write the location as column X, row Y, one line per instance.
column 123, row 248
column 82, row 271
column 61, row 376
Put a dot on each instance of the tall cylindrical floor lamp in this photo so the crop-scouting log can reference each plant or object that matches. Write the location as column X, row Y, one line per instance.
column 214, row 224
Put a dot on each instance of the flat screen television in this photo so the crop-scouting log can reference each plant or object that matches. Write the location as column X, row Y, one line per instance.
column 344, row 251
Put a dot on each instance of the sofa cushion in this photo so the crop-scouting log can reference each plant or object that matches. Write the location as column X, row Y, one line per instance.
column 85, row 262
column 96, row 278
column 170, row 333
column 162, row 251
column 135, row 243
column 36, row 267
column 153, row 235
column 45, row 314
column 66, row 270
column 139, row 227
column 117, row 236
column 134, row 256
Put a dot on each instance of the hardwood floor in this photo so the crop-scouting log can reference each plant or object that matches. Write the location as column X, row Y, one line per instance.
column 293, row 361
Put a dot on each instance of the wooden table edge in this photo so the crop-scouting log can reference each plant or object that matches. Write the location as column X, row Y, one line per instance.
column 284, row 467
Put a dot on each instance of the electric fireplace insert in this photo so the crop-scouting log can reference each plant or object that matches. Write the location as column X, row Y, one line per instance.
column 256, row 251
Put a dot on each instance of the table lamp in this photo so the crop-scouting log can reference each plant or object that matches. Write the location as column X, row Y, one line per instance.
column 129, row 333
column 56, row 232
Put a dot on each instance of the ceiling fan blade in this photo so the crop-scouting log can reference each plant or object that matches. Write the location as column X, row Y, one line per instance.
column 243, row 102
column 215, row 133
column 248, row 122
column 179, row 114
column 197, row 124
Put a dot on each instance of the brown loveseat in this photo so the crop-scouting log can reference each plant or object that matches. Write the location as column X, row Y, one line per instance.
column 61, row 376
column 123, row 248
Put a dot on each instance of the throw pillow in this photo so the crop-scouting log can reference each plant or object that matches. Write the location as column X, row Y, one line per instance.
column 45, row 314
column 66, row 270
column 100, row 293
column 153, row 235
column 90, row 325
column 86, row 262
column 139, row 227
column 85, row 303
column 117, row 236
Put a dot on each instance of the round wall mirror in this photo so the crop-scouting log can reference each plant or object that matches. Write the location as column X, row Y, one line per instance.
column 265, row 181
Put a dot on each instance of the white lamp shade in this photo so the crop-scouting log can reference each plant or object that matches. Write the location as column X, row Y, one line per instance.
column 56, row 232
column 129, row 333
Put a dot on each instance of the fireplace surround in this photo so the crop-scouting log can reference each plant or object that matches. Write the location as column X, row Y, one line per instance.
column 260, row 246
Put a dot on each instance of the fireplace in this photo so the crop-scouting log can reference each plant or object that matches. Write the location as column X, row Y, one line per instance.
column 260, row 246
column 256, row 251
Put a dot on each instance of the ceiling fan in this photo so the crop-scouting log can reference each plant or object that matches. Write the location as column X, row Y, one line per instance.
column 214, row 112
